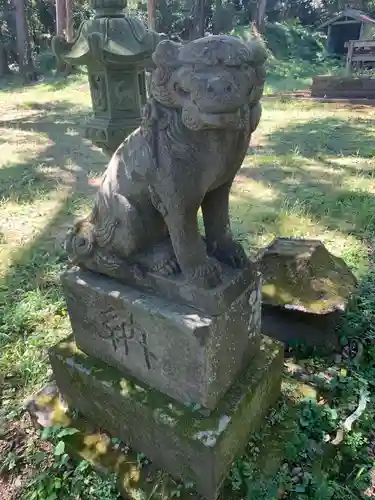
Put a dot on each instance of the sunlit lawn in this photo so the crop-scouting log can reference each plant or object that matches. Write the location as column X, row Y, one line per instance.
column 309, row 173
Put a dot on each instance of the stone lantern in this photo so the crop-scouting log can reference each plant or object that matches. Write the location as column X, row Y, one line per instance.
column 116, row 50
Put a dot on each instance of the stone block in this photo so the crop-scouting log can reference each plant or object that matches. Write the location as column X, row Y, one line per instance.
column 190, row 356
column 212, row 301
column 185, row 442
column 302, row 275
column 175, row 288
column 106, row 455
column 305, row 292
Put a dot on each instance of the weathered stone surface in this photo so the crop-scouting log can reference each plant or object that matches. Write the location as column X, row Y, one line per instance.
column 190, row 356
column 214, row 301
column 195, row 133
column 182, row 441
column 302, row 275
column 305, row 292
column 47, row 408
column 105, row 454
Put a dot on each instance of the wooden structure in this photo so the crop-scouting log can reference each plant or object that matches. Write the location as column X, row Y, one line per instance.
column 340, row 87
column 350, row 24
column 361, row 55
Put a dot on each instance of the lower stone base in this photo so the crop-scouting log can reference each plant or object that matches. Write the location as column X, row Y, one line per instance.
column 107, row 456
column 182, row 440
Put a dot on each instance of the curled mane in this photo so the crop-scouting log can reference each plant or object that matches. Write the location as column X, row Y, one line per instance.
column 163, row 125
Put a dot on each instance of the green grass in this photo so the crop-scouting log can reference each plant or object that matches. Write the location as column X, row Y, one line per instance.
column 296, row 74
column 310, row 173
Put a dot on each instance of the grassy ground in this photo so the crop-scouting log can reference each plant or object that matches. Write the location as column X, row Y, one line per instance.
column 291, row 74
column 310, row 173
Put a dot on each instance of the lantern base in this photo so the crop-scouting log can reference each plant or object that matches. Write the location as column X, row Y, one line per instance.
column 109, row 134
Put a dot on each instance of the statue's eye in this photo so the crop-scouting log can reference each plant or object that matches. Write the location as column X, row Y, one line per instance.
column 245, row 67
column 180, row 91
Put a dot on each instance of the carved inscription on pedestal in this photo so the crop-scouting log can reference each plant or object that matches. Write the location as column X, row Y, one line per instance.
column 123, row 332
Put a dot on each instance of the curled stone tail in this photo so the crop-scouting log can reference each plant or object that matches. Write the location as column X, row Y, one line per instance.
column 80, row 240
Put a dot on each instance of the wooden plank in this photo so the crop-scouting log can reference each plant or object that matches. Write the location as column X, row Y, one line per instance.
column 361, row 43
column 363, row 58
column 349, row 55
column 338, row 23
column 359, row 51
column 361, row 31
column 364, row 43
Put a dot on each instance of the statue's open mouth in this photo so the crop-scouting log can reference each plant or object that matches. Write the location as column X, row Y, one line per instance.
column 221, row 120
column 214, row 109
column 197, row 119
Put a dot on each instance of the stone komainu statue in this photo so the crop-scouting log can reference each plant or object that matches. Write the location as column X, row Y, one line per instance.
column 197, row 124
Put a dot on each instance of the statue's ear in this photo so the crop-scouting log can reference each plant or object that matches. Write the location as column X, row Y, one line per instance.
column 258, row 52
column 166, row 54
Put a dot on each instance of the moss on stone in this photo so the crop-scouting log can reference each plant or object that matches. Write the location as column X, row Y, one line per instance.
column 192, row 422
column 303, row 275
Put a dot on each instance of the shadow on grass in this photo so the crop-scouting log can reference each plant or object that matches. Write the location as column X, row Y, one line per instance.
column 31, row 302
column 35, row 268
column 13, row 82
column 63, row 128
column 32, row 309
column 322, row 168
column 328, row 136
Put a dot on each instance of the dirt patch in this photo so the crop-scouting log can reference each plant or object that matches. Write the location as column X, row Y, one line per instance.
column 5, row 489
column 19, row 445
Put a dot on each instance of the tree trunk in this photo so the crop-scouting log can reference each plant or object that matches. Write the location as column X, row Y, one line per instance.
column 25, row 60
column 61, row 29
column 151, row 14
column 60, row 17
column 69, row 20
column 197, row 20
column 259, row 14
column 217, row 17
column 4, row 67
column 201, row 18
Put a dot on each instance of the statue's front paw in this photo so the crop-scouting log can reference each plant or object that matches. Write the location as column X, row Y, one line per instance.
column 170, row 267
column 230, row 253
column 207, row 275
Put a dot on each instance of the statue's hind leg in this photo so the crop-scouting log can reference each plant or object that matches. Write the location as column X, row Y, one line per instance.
column 142, row 237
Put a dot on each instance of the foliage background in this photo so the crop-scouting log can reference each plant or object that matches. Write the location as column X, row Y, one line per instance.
column 289, row 27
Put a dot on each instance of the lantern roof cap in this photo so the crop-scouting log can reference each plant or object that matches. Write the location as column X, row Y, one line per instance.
column 116, row 38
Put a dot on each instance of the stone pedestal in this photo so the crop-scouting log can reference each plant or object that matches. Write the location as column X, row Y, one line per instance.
column 183, row 386
column 190, row 356
column 175, row 437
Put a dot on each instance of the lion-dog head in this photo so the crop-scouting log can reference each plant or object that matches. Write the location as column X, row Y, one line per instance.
column 212, row 80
